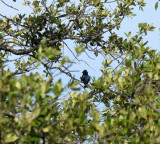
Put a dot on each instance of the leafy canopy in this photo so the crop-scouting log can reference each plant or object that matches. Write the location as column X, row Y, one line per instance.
column 37, row 108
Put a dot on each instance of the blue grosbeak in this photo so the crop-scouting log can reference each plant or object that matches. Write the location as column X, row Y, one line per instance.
column 85, row 78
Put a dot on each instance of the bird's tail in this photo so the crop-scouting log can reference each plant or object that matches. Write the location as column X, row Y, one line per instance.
column 85, row 85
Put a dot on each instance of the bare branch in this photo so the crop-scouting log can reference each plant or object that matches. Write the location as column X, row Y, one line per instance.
column 69, row 74
column 76, row 56
column 9, row 5
column 89, row 56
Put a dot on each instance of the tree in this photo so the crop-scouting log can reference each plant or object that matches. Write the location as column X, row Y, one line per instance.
column 33, row 108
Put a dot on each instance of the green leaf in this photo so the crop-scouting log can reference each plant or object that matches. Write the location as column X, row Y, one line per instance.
column 73, row 83
column 14, row 17
column 11, row 137
column 128, row 62
column 150, row 74
column 129, row 34
column 79, row 49
column 156, row 5
column 35, row 3
column 75, row 88
column 43, row 88
column 46, row 129
column 57, row 89
column 64, row 60
column 18, row 85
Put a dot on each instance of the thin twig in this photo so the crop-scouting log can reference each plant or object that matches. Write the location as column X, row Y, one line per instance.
column 88, row 55
column 76, row 56
column 155, row 109
column 9, row 5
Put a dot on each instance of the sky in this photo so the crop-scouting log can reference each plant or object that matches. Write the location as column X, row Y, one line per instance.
column 149, row 15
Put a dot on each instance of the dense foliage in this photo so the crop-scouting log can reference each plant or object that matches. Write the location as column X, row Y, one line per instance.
column 38, row 109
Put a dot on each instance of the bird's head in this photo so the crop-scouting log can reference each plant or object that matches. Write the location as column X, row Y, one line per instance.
column 85, row 72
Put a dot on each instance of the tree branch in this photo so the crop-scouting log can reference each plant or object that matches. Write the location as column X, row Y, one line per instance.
column 16, row 51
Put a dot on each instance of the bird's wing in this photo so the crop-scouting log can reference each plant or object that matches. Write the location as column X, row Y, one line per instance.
column 82, row 78
column 87, row 78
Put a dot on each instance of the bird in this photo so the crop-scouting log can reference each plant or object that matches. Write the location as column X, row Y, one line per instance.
column 85, row 78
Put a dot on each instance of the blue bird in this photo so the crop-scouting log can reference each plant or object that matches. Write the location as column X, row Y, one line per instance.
column 85, row 78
